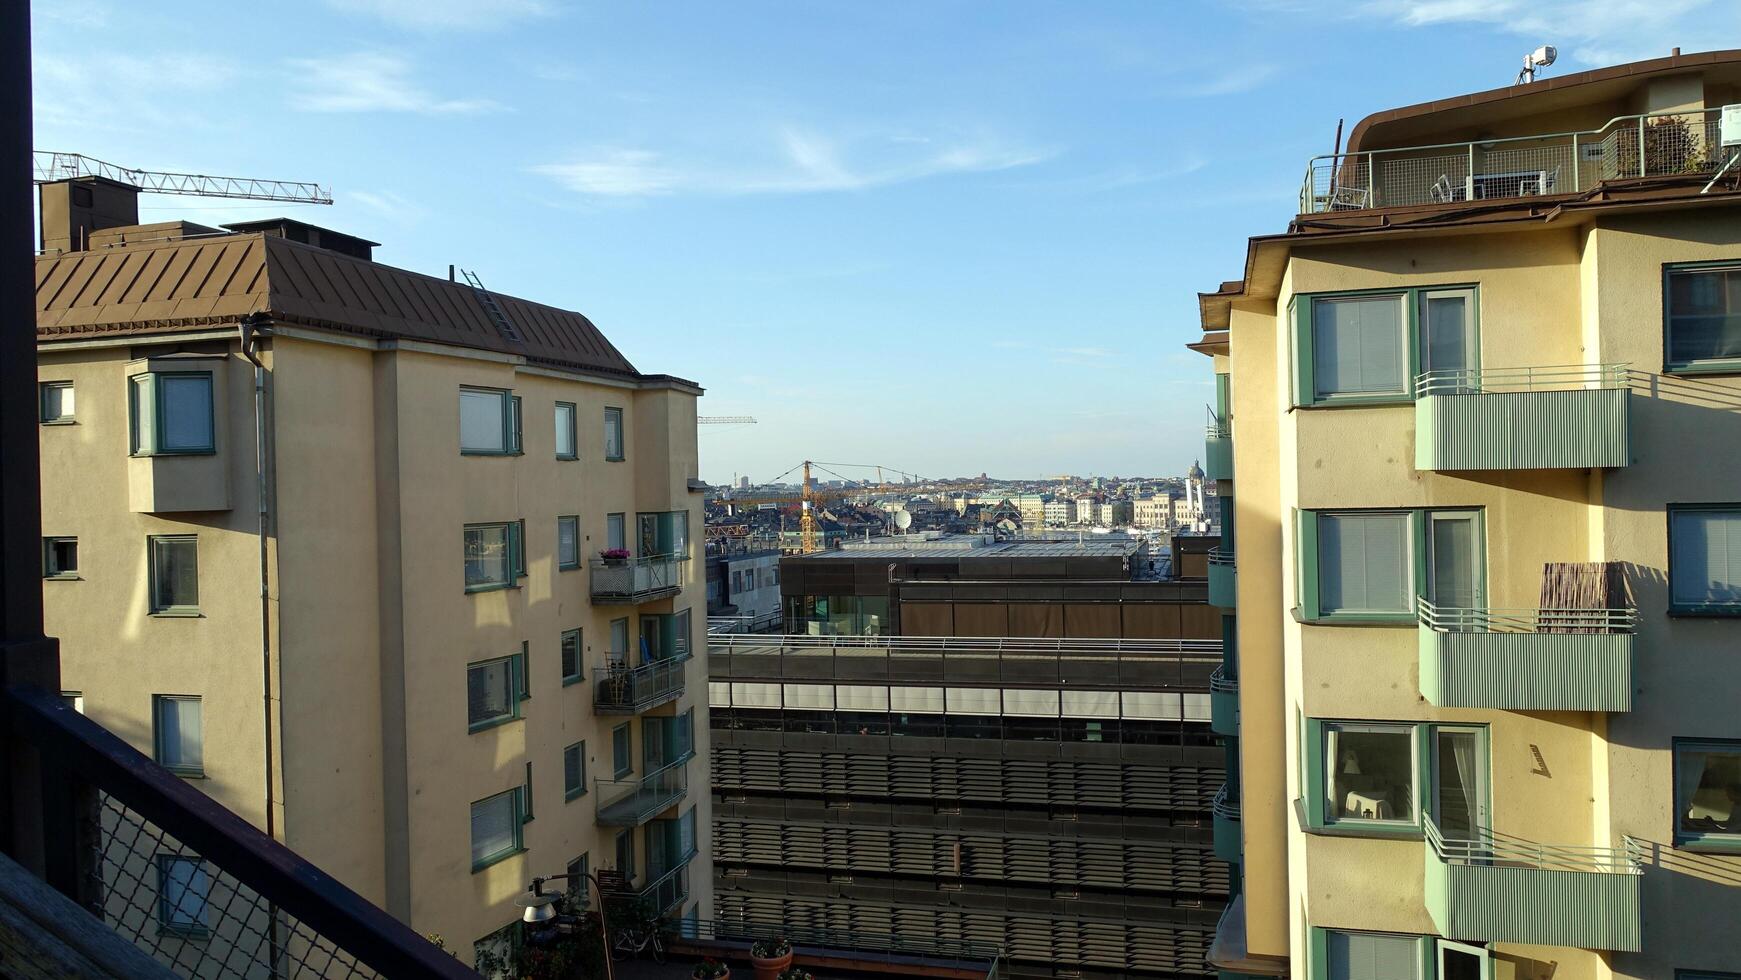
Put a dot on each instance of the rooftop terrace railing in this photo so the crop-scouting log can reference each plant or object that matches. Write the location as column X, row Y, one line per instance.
column 890, row 948
column 198, row 888
column 1553, row 377
column 1648, row 145
column 1448, row 619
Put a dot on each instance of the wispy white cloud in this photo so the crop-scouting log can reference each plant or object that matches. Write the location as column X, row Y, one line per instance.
column 1234, row 79
column 132, row 92
column 446, row 15
column 85, row 14
column 794, row 161
column 388, row 204
column 370, row 81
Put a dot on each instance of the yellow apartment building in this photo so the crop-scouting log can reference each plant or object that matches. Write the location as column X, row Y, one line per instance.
column 395, row 568
column 1479, row 434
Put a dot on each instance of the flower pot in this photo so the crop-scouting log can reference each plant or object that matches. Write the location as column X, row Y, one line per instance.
column 769, row 969
column 723, row 976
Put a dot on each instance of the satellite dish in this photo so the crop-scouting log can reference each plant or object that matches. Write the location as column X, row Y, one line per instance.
column 903, row 520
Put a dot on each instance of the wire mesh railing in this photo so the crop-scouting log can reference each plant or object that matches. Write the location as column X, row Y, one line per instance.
column 1450, row 619
column 1551, row 377
column 845, row 944
column 1648, row 145
column 623, row 688
column 1488, row 848
column 192, row 884
column 633, row 579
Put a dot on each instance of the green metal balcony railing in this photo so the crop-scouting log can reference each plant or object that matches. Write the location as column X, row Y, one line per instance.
column 631, row 580
column 1499, row 888
column 1670, row 144
column 628, row 690
column 1226, row 811
column 1223, row 579
column 1218, row 448
column 1556, row 417
column 1527, row 659
column 1223, row 702
column 632, row 802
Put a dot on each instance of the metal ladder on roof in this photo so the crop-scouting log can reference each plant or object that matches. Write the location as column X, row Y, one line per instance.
column 503, row 324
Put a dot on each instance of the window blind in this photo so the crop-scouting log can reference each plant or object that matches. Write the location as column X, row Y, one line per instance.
column 1363, row 563
column 1705, row 562
column 1357, row 346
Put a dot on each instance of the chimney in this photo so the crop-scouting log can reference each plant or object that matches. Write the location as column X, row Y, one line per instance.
column 72, row 209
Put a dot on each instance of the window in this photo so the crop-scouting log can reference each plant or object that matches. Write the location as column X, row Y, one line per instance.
column 1378, row 778
column 613, row 434
column 177, row 733
column 686, row 845
column 55, row 399
column 626, row 854
column 174, row 578
column 577, row 870
column 616, row 535
column 1704, row 559
column 489, row 422
column 494, row 555
column 619, row 651
column 574, row 770
column 1708, row 793
column 567, row 543
column 1368, row 773
column 1702, row 317
column 496, row 828
column 1338, row 955
column 737, row 582
column 74, row 700
column 565, row 431
column 1369, row 566
column 572, row 670
column 171, row 414
column 60, row 557
column 1366, row 347
column 494, row 690
column 622, row 763
column 183, row 888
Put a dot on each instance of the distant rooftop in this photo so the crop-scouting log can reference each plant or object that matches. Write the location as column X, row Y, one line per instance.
column 936, row 545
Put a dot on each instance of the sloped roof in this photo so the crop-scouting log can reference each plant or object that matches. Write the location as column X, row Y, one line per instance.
column 173, row 285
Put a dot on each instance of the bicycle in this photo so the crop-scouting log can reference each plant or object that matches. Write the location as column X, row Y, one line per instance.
column 630, row 941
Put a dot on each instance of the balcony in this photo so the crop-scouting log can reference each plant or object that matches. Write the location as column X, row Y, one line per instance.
column 1226, row 810
column 1505, row 889
column 632, row 802
column 1223, row 579
column 1223, row 703
column 1683, row 144
column 1531, row 418
column 1218, row 449
column 668, row 889
column 1527, row 659
column 631, row 580
column 627, row 691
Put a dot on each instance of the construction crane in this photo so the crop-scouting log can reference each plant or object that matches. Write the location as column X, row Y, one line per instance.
column 49, row 166
column 811, row 499
column 724, row 420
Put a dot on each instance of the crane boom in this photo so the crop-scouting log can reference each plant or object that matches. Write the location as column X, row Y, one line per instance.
column 49, row 166
column 725, row 420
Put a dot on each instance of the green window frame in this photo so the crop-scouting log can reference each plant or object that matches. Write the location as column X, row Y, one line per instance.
column 488, row 547
column 1725, row 287
column 183, row 896
column 565, row 415
column 622, row 751
column 1424, row 775
column 164, row 424
column 1304, row 347
column 505, row 827
column 1322, row 950
column 526, row 786
column 55, row 403
column 574, row 770
column 481, row 690
column 626, row 854
column 1707, row 536
column 483, row 435
column 173, row 586
column 615, row 451
column 60, row 557
column 567, row 542
column 178, row 733
column 1313, row 605
column 1705, row 975
column 573, row 657
column 1707, row 817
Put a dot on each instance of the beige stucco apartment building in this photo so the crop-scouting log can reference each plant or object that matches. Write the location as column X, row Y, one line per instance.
column 1479, row 452
column 392, row 636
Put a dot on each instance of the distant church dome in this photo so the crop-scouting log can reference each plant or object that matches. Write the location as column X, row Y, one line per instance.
column 1196, row 472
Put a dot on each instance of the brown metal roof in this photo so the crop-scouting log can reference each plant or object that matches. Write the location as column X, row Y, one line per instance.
column 167, row 286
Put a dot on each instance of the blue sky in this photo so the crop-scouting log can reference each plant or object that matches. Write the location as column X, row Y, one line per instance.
column 941, row 236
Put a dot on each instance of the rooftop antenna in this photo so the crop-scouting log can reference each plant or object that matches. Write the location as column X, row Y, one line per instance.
column 1539, row 58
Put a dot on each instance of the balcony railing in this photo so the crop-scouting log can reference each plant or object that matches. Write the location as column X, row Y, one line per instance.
column 1223, row 579
column 921, row 954
column 1226, row 813
column 1218, row 448
column 1558, row 417
column 628, row 690
column 632, row 802
column 122, row 828
column 1527, row 659
column 669, row 888
column 1500, row 888
column 630, row 580
column 1649, row 145
column 1223, row 702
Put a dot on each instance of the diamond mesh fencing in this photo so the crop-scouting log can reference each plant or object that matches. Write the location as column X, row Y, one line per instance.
column 193, row 916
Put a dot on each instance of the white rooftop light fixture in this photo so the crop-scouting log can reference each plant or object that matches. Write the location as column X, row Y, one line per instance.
column 1539, row 58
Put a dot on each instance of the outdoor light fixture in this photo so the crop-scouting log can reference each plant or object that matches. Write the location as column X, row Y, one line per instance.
column 1539, row 58
column 541, row 912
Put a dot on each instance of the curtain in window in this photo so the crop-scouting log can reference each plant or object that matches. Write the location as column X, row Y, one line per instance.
column 614, row 538
column 492, row 827
column 1363, row 563
column 187, row 411
column 1458, row 817
column 1453, row 547
column 1445, row 323
column 1332, row 779
column 565, row 430
column 179, row 733
column 567, row 543
column 486, row 556
column 1705, row 566
column 144, row 411
column 1689, row 773
column 1357, row 346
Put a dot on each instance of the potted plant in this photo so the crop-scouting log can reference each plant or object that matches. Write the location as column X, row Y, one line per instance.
column 615, row 556
column 711, row 969
column 770, row 956
column 796, row 973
